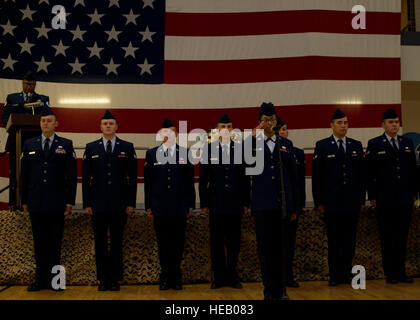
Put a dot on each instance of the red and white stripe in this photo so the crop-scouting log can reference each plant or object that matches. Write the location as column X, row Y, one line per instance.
column 231, row 55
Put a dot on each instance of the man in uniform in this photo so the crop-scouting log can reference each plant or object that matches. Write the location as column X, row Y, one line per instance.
column 339, row 194
column 48, row 180
column 14, row 104
column 169, row 200
column 109, row 195
column 293, row 224
column 392, row 189
column 267, row 203
column 224, row 194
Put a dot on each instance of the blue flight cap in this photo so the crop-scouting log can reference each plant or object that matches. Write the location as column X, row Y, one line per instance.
column 167, row 123
column 267, row 108
column 389, row 114
column 224, row 118
column 108, row 115
column 338, row 114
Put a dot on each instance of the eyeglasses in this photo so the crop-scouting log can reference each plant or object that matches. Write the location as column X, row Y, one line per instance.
column 268, row 120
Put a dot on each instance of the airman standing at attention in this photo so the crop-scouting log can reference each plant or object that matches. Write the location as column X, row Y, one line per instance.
column 169, row 199
column 224, row 194
column 392, row 189
column 109, row 195
column 339, row 194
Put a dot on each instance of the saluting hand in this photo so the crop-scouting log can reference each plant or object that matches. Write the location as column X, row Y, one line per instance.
column 129, row 210
column 293, row 217
column 260, row 126
column 88, row 210
column 68, row 209
column 205, row 210
column 149, row 213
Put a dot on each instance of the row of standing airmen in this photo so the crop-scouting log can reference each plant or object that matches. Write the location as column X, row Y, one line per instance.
column 341, row 174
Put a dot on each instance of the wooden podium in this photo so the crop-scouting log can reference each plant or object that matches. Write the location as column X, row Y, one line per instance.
column 18, row 124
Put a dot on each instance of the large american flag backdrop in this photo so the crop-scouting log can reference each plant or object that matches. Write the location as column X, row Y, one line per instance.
column 194, row 59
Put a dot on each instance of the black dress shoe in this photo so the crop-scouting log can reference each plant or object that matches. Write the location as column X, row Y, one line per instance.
column 391, row 281
column 115, row 286
column 292, row 284
column 216, row 285
column 163, row 286
column 405, row 279
column 102, row 286
column 236, row 284
column 36, row 286
column 333, row 283
column 284, row 296
column 177, row 286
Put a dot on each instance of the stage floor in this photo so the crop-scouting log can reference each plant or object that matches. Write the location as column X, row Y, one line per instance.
column 312, row 290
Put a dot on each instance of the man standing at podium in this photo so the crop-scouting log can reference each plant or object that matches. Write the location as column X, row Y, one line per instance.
column 15, row 104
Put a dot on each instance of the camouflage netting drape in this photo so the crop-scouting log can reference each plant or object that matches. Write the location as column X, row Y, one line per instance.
column 141, row 263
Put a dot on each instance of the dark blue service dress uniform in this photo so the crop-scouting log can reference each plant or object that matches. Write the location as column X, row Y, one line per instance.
column 338, row 185
column 48, row 184
column 225, row 190
column 14, row 104
column 392, row 183
column 169, row 194
column 109, row 187
column 266, row 206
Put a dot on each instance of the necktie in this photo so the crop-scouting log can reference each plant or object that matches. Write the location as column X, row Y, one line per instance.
column 166, row 153
column 341, row 147
column 225, row 155
column 394, row 145
column 109, row 147
column 46, row 147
